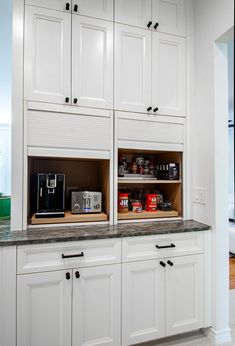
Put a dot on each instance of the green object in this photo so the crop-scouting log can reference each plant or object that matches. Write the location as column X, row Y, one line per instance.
column 5, row 207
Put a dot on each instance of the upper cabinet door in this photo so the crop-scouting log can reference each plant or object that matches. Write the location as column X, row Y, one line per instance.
column 170, row 15
column 132, row 89
column 59, row 5
column 168, row 74
column 92, row 62
column 102, row 9
column 133, row 12
column 47, row 55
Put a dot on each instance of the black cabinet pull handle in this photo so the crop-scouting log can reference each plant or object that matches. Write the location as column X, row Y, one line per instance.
column 155, row 109
column 163, row 264
column 156, row 25
column 72, row 256
column 67, row 99
column 170, row 263
column 165, row 247
column 149, row 109
column 67, row 6
column 149, row 24
column 75, row 100
column 75, row 8
column 67, row 276
column 77, row 274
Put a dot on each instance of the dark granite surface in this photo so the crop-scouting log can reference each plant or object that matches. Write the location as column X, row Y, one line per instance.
column 60, row 234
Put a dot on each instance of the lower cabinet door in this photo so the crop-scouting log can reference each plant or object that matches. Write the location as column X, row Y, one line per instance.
column 143, row 302
column 184, row 294
column 97, row 306
column 44, row 309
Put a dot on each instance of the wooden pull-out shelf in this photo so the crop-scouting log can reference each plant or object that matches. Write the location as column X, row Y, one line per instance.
column 147, row 181
column 147, row 215
column 69, row 218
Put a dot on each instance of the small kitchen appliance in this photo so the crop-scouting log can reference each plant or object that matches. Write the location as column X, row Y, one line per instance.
column 50, row 195
column 86, row 202
column 168, row 171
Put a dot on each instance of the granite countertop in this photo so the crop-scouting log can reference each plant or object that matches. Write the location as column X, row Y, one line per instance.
column 63, row 234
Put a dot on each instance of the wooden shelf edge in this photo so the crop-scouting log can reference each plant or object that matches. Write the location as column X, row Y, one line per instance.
column 148, row 181
column 147, row 215
column 70, row 218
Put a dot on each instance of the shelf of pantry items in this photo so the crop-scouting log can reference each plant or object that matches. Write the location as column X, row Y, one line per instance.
column 70, row 218
column 147, row 215
column 147, row 181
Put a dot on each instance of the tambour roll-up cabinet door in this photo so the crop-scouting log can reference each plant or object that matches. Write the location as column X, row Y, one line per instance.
column 47, row 55
column 102, row 9
column 133, row 12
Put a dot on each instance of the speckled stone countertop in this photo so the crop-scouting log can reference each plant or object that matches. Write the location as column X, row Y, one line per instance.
column 63, row 234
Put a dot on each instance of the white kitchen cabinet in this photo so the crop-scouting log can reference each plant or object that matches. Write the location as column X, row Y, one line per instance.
column 168, row 74
column 102, row 9
column 47, row 56
column 44, row 309
column 92, row 62
column 169, row 15
column 59, row 5
column 133, row 12
column 132, row 69
column 97, row 306
column 143, row 301
column 184, row 294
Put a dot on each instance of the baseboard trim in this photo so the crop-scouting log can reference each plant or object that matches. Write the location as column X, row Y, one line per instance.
column 218, row 337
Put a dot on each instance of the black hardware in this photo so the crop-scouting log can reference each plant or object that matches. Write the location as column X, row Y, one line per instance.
column 75, row 100
column 68, row 276
column 75, row 8
column 149, row 24
column 72, row 256
column 155, row 109
column 165, row 247
column 156, row 25
column 170, row 263
column 163, row 264
column 67, row 6
column 77, row 274
column 67, row 99
column 149, row 109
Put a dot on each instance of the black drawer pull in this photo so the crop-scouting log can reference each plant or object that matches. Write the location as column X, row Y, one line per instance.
column 163, row 264
column 170, row 263
column 75, row 8
column 77, row 274
column 67, row 99
column 155, row 109
column 72, row 256
column 75, row 100
column 165, row 247
column 67, row 276
column 156, row 25
column 149, row 24
column 67, row 6
column 149, row 109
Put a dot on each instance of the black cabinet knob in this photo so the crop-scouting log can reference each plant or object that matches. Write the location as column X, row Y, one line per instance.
column 77, row 274
column 75, row 100
column 149, row 24
column 67, row 99
column 170, row 263
column 149, row 109
column 163, row 264
column 67, row 6
column 67, row 276
column 75, row 8
column 155, row 109
column 156, row 25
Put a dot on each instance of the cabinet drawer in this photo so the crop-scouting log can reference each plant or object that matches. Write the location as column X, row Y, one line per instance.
column 71, row 131
column 47, row 257
column 145, row 248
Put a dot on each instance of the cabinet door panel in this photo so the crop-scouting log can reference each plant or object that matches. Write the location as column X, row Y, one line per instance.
column 44, row 309
column 184, row 294
column 170, row 14
column 168, row 72
column 102, row 9
column 133, row 12
column 132, row 69
column 143, row 316
column 92, row 62
column 47, row 55
column 97, row 306
column 59, row 5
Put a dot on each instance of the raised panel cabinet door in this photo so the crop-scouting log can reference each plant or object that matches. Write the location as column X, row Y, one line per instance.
column 133, row 12
column 59, row 5
column 44, row 309
column 47, row 55
column 102, row 9
column 92, row 62
column 170, row 15
column 132, row 74
column 143, row 301
column 97, row 306
column 184, row 294
column 168, row 74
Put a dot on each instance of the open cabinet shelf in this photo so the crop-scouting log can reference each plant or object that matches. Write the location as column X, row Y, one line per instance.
column 147, row 215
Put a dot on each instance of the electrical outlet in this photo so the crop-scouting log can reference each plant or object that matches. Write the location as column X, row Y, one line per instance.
column 200, row 195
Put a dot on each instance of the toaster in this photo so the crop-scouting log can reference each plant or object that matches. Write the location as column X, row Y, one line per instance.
column 86, row 202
